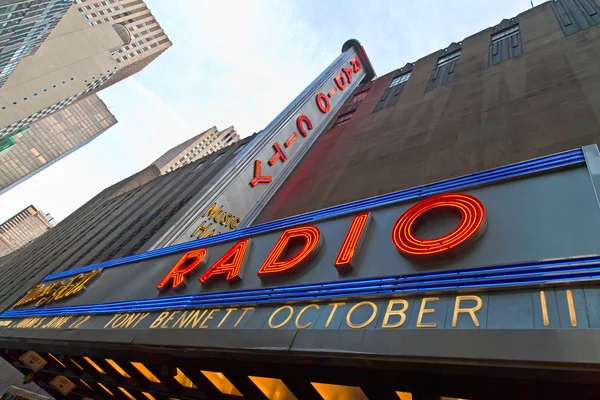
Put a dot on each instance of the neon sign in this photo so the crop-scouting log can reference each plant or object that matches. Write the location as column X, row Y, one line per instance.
column 297, row 246
column 303, row 122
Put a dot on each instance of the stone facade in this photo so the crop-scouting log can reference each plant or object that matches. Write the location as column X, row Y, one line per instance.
column 544, row 101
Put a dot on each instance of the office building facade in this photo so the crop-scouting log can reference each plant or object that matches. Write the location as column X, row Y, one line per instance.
column 76, row 60
column 147, row 38
column 49, row 139
column 23, row 228
column 24, row 25
column 195, row 148
column 429, row 234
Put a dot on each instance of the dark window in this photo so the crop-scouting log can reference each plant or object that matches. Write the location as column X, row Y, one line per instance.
column 342, row 119
column 576, row 15
column 505, row 41
column 445, row 68
column 391, row 95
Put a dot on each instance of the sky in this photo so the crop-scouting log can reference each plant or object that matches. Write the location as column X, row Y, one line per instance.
column 240, row 63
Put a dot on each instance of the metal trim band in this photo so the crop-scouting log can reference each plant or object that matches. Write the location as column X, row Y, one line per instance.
column 506, row 276
column 537, row 165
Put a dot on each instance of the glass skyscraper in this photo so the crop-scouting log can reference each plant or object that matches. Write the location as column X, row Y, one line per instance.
column 24, row 25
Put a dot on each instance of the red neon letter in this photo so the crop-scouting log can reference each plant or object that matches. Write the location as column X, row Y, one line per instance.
column 279, row 154
column 470, row 228
column 323, row 103
column 258, row 176
column 186, row 264
column 273, row 266
column 348, row 73
column 340, row 81
column 355, row 64
column 352, row 242
column 230, row 265
column 303, row 119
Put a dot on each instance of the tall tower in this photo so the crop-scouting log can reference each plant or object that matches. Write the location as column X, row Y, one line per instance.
column 80, row 57
column 25, row 153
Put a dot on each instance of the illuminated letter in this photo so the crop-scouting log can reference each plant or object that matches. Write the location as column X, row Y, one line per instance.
column 355, row 64
column 423, row 310
column 544, row 305
column 186, row 264
column 258, row 176
column 323, row 103
column 572, row 312
column 340, row 81
column 348, row 73
column 202, row 229
column 303, row 119
column 291, row 139
column 470, row 228
column 352, row 242
column 159, row 319
column 300, row 315
column 389, row 312
column 273, row 266
column 279, row 154
column 368, row 321
column 212, row 211
column 285, row 321
column 333, row 310
column 230, row 265
column 470, row 310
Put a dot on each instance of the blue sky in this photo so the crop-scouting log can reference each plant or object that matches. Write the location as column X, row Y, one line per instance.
column 240, row 63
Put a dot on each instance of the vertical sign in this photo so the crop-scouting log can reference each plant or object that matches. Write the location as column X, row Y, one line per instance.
column 237, row 193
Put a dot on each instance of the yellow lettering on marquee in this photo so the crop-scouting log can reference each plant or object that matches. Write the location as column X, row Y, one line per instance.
column 333, row 310
column 246, row 309
column 572, row 312
column 544, row 305
column 173, row 314
column 112, row 319
column 423, row 310
column 208, row 317
column 315, row 306
column 470, row 310
column 159, row 319
column 143, row 316
column 368, row 321
column 390, row 311
column 194, row 319
column 229, row 311
column 285, row 321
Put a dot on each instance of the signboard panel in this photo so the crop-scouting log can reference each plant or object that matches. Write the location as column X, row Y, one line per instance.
column 33, row 361
column 542, row 217
column 400, row 274
column 62, row 384
column 235, row 196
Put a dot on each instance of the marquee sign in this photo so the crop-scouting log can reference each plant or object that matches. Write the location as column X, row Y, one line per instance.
column 505, row 250
column 241, row 188
column 485, row 236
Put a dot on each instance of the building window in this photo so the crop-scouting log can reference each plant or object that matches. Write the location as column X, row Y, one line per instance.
column 505, row 42
column 446, row 65
column 391, row 95
column 575, row 16
column 359, row 97
column 343, row 119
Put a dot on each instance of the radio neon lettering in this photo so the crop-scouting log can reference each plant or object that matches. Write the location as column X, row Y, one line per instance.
column 297, row 246
column 230, row 265
column 471, row 226
column 310, row 240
